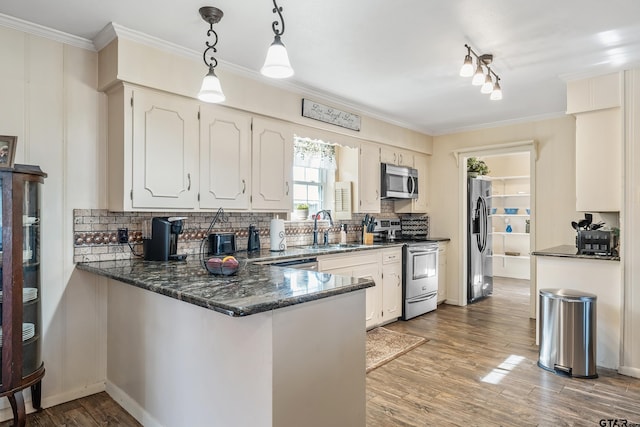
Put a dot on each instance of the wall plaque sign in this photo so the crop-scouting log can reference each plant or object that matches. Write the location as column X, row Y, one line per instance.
column 315, row 110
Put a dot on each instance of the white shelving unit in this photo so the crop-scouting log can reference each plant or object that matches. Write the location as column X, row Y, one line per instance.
column 510, row 249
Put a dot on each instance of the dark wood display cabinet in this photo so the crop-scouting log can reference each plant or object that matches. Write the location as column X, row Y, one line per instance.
column 21, row 328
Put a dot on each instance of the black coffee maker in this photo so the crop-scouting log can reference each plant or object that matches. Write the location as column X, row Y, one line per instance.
column 162, row 245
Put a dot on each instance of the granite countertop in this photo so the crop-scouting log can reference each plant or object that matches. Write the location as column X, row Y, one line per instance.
column 569, row 251
column 254, row 289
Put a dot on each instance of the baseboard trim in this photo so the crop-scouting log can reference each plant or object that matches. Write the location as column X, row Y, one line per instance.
column 56, row 399
column 629, row 371
column 131, row 406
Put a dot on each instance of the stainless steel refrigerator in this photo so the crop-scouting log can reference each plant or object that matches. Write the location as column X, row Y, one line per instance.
column 479, row 244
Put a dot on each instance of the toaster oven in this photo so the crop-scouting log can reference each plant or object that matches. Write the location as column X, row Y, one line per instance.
column 597, row 242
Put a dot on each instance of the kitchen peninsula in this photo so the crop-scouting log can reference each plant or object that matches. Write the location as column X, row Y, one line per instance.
column 268, row 347
column 563, row 267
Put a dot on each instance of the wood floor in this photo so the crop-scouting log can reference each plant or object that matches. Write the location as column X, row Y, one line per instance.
column 477, row 369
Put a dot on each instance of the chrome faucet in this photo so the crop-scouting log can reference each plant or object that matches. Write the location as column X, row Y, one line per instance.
column 315, row 227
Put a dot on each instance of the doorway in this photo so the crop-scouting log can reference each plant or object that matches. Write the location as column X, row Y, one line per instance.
column 513, row 231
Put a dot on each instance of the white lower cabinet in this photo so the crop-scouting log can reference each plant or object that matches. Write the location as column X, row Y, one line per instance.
column 383, row 301
column 442, row 272
column 391, row 285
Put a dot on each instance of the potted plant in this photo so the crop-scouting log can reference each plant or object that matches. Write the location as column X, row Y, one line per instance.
column 476, row 167
column 302, row 211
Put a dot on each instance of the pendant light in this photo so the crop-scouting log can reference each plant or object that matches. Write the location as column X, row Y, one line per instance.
column 276, row 64
column 211, row 90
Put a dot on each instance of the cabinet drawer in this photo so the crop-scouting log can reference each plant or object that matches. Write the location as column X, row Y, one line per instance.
column 389, row 257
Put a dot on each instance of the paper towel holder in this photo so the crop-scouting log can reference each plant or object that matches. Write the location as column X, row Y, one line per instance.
column 277, row 234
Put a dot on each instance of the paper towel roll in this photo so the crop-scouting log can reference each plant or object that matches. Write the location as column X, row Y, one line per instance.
column 277, row 235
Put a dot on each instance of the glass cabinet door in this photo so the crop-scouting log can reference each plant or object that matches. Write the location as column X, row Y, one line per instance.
column 31, row 326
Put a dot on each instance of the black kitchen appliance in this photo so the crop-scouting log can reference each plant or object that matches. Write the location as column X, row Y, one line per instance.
column 253, row 244
column 163, row 243
column 597, row 242
column 222, row 243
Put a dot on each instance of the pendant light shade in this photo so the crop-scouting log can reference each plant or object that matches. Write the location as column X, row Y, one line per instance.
column 478, row 76
column 211, row 90
column 496, row 94
column 277, row 65
column 467, row 66
column 487, row 87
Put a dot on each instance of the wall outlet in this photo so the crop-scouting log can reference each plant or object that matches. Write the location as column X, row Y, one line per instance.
column 123, row 235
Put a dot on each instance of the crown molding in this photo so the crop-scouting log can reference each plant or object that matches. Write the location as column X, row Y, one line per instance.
column 45, row 32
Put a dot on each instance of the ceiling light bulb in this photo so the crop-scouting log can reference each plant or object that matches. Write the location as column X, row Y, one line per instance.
column 467, row 67
column 478, row 77
column 487, row 87
column 211, row 90
column 276, row 64
column 496, row 94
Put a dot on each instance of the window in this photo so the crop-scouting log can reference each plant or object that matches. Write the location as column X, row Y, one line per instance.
column 313, row 173
column 308, row 187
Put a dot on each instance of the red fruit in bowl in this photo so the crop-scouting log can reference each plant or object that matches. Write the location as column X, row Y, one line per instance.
column 230, row 262
column 214, row 262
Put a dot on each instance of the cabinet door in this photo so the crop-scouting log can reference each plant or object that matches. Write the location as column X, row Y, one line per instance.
column 373, row 295
column 369, row 179
column 225, row 158
column 442, row 272
column 391, row 291
column 396, row 156
column 165, row 149
column 594, row 93
column 272, row 172
column 598, row 160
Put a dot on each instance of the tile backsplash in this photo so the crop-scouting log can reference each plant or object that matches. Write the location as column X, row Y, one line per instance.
column 95, row 231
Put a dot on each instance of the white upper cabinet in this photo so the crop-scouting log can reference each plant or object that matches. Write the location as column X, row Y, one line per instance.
column 595, row 93
column 396, row 156
column 272, row 165
column 152, row 150
column 225, row 158
column 599, row 160
column 368, row 197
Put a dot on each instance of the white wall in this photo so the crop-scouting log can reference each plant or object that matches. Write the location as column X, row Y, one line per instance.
column 49, row 101
column 555, row 184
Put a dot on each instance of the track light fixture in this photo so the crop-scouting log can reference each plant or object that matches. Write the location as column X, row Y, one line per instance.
column 211, row 90
column 276, row 64
column 480, row 78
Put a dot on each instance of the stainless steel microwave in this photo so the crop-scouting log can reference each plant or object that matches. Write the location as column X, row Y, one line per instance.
column 398, row 182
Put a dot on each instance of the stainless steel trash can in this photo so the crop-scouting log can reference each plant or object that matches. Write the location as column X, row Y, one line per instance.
column 568, row 332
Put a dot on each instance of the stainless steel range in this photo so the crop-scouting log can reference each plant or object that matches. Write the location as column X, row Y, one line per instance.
column 420, row 268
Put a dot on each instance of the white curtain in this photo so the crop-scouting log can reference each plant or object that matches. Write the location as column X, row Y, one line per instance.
column 314, row 153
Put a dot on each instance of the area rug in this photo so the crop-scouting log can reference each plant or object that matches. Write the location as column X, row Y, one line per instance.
column 384, row 345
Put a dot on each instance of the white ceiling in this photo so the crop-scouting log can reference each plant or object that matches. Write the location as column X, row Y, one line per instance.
column 396, row 60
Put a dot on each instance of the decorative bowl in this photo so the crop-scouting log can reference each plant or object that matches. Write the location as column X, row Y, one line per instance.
column 494, row 211
column 511, row 211
column 227, row 266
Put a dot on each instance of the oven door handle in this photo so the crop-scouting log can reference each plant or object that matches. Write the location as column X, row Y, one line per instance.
column 422, row 297
column 423, row 251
